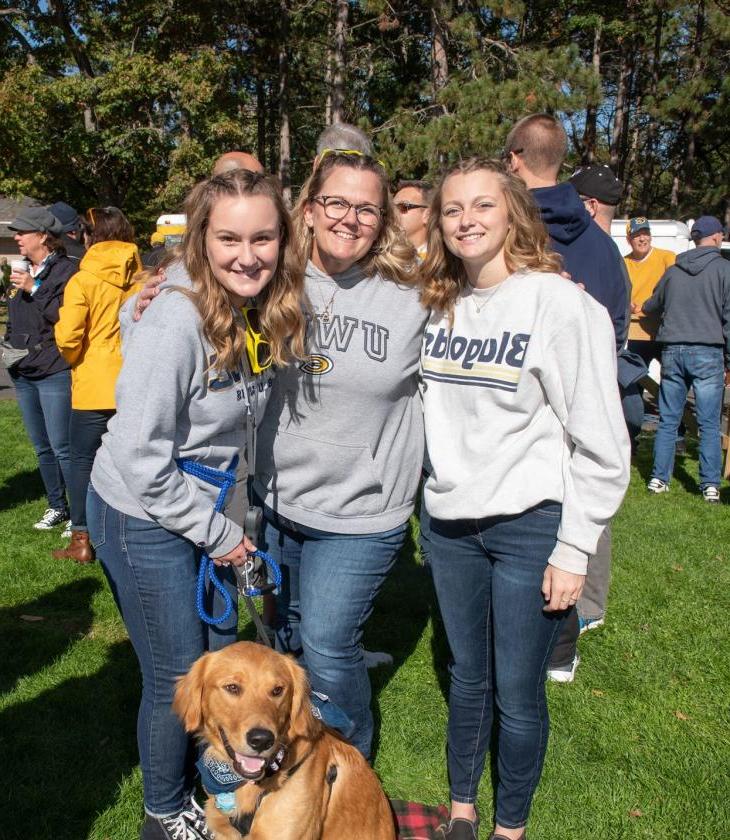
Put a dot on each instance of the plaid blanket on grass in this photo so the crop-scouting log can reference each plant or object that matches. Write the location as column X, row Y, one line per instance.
column 415, row 821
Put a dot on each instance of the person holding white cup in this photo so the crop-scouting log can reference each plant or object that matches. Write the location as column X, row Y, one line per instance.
column 41, row 377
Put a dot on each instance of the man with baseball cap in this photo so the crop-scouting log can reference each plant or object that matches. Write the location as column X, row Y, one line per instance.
column 646, row 265
column 71, row 235
column 600, row 190
column 693, row 300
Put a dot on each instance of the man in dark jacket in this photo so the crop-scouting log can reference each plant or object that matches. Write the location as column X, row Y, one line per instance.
column 693, row 299
column 71, row 234
column 535, row 150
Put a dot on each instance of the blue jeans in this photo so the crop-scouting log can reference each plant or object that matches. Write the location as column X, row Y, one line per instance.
column 488, row 578
column 152, row 574
column 329, row 584
column 701, row 368
column 45, row 405
column 85, row 431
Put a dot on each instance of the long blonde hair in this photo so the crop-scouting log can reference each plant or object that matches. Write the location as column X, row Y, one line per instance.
column 392, row 256
column 526, row 246
column 279, row 303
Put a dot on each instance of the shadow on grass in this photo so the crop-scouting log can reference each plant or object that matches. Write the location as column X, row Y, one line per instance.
column 67, row 751
column 22, row 487
column 28, row 644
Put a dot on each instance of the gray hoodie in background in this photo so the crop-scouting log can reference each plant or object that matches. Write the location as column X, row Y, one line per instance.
column 340, row 448
column 172, row 404
column 693, row 297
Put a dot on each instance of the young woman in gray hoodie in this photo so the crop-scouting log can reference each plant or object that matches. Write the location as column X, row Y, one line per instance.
column 341, row 446
column 187, row 391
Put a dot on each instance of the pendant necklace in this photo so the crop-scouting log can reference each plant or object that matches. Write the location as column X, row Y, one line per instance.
column 324, row 315
column 484, row 296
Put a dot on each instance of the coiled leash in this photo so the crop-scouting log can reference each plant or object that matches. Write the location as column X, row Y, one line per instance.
column 252, row 578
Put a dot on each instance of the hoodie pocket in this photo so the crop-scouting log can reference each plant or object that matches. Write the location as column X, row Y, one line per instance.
column 338, row 479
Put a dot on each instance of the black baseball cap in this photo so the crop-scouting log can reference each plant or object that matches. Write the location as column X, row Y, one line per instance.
column 598, row 181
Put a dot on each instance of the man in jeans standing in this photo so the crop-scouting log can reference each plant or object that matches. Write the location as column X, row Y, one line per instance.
column 693, row 299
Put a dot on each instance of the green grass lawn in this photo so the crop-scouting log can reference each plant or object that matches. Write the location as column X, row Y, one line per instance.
column 640, row 744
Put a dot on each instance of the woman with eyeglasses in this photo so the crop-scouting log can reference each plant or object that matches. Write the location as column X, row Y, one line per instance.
column 87, row 336
column 194, row 379
column 530, row 460
column 341, row 445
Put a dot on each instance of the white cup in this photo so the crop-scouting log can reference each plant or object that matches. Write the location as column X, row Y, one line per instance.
column 20, row 265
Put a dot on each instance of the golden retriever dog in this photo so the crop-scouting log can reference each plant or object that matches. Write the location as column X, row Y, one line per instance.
column 250, row 705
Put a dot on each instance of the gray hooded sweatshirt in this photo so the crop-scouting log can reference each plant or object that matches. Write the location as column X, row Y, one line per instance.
column 171, row 404
column 340, row 448
column 693, row 297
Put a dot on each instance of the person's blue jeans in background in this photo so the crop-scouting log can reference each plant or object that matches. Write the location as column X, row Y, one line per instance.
column 45, row 405
column 85, row 431
column 329, row 585
column 152, row 574
column 488, row 578
column 700, row 367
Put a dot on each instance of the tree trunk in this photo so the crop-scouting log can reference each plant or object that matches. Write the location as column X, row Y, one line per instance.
column 697, row 70
column 284, row 135
column 338, row 56
column 589, row 135
column 261, row 119
column 622, row 109
column 647, row 176
column 439, row 60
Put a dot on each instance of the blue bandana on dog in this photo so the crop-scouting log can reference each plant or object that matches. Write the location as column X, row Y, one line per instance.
column 220, row 780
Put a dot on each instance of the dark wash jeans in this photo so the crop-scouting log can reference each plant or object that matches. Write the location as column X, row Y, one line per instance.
column 700, row 367
column 45, row 405
column 152, row 573
column 85, row 431
column 329, row 585
column 488, row 578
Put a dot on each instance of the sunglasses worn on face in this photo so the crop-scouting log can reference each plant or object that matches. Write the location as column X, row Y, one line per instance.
column 406, row 207
column 258, row 348
column 336, row 208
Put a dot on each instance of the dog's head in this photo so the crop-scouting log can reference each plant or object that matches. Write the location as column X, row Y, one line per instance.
column 258, row 698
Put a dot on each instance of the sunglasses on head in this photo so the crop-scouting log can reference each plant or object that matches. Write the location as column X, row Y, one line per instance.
column 345, row 152
column 258, row 348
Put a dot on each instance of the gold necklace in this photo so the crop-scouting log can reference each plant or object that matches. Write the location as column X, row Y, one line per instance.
column 324, row 315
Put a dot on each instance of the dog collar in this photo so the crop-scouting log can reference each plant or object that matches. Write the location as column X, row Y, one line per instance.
column 218, row 777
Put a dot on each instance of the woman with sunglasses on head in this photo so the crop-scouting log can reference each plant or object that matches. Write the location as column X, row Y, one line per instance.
column 87, row 335
column 340, row 448
column 530, row 460
column 187, row 395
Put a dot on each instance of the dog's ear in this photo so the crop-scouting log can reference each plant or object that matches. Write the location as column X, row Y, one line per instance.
column 188, row 702
column 302, row 723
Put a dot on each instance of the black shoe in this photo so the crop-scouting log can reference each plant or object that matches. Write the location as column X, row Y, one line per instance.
column 187, row 825
column 460, row 829
column 502, row 837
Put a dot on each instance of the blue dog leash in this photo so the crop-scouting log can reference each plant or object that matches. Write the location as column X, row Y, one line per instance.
column 224, row 479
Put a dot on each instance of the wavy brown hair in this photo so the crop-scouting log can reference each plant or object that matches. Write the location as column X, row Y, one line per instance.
column 392, row 255
column 526, row 246
column 108, row 224
column 280, row 302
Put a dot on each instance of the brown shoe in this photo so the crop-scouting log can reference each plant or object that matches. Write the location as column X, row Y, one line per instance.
column 79, row 549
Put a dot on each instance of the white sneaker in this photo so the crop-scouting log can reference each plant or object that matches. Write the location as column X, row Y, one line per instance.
column 50, row 518
column 656, row 485
column 566, row 673
column 66, row 534
column 711, row 494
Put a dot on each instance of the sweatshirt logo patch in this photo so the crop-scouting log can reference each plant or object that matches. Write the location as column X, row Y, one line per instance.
column 316, row 365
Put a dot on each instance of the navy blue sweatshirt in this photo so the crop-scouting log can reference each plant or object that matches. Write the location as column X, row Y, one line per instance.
column 589, row 254
column 693, row 297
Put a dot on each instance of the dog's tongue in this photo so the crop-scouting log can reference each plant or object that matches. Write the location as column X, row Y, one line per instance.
column 250, row 763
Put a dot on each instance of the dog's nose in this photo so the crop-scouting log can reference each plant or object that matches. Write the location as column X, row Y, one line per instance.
column 260, row 739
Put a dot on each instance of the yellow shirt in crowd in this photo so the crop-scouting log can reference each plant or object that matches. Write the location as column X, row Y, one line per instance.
column 646, row 273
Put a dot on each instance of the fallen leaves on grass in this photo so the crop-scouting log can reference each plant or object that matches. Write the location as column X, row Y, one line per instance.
column 635, row 812
column 677, row 568
column 681, row 715
column 596, row 692
column 32, row 618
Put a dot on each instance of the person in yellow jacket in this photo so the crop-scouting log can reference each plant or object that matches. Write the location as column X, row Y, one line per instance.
column 87, row 335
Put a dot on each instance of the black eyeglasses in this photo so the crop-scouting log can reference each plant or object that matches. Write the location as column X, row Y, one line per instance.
column 336, row 208
column 406, row 206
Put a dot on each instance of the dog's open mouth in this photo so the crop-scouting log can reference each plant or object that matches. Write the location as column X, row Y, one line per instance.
column 250, row 766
